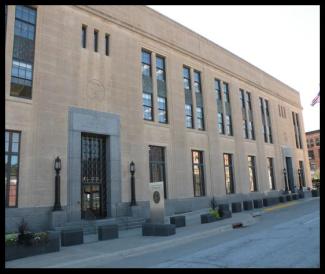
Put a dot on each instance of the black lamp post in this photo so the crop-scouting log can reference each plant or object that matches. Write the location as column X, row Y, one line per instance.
column 300, row 183
column 132, row 171
column 57, row 167
column 285, row 180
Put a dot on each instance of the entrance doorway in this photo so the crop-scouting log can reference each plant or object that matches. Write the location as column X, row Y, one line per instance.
column 93, row 176
column 291, row 182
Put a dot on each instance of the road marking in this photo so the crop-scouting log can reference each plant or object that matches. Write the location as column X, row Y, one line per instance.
column 280, row 206
column 312, row 220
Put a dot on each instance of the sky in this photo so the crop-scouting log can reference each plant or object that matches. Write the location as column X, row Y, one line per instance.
column 283, row 41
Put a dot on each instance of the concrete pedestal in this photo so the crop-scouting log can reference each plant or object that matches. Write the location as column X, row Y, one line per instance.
column 158, row 229
column 58, row 218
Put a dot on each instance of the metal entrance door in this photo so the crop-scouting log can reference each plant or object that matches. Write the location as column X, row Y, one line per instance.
column 93, row 176
column 290, row 174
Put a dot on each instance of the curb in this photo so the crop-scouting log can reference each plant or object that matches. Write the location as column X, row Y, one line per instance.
column 155, row 246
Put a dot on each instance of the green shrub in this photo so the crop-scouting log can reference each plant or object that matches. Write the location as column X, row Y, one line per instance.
column 11, row 239
column 214, row 213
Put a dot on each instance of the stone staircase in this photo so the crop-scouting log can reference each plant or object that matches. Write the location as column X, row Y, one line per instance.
column 90, row 226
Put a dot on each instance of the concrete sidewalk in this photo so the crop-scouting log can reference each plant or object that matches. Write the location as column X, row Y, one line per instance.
column 130, row 243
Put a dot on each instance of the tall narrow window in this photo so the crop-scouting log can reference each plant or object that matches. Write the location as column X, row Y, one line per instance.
column 12, row 153
column 252, row 173
column 198, row 173
column 96, row 40
column 229, row 178
column 266, row 120
column 296, row 128
column 223, row 108
column 161, row 89
column 188, row 98
column 302, row 173
column 23, row 52
column 107, row 44
column 157, row 166
column 147, row 101
column 247, row 114
column 199, row 100
column 244, row 113
column 270, row 172
column 84, row 36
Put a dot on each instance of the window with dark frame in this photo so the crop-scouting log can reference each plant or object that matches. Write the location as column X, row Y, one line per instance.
column 252, row 174
column 84, row 36
column 189, row 123
column 270, row 171
column 266, row 120
column 157, row 166
column 147, row 101
column 107, row 44
column 198, row 173
column 23, row 52
column 96, row 40
column 199, row 100
column 161, row 90
column 12, row 159
column 301, row 166
column 229, row 177
column 296, row 127
column 223, row 108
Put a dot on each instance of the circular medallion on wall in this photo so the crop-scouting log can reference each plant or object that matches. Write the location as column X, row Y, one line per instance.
column 95, row 90
column 156, row 197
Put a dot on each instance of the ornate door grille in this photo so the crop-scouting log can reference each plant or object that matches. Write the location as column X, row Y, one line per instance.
column 93, row 175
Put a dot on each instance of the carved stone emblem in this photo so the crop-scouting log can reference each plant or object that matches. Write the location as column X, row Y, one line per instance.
column 156, row 197
column 95, row 90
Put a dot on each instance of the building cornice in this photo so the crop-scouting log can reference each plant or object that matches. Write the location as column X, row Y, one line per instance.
column 157, row 39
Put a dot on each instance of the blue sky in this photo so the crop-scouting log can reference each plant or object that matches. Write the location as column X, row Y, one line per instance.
column 283, row 41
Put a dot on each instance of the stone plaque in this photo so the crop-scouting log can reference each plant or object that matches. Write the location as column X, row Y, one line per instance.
column 157, row 202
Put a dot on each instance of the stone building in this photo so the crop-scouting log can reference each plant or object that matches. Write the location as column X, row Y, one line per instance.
column 101, row 86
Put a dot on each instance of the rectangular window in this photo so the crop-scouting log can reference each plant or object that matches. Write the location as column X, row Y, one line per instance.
column 157, row 166
column 228, row 125
column 12, row 157
column 229, row 178
column 84, row 36
column 296, row 127
column 302, row 173
column 23, row 52
column 266, row 120
column 247, row 115
column 217, row 89
column 96, row 40
column 161, row 89
column 198, row 173
column 188, row 98
column 317, row 142
column 199, row 118
column 189, row 116
column 252, row 173
column 162, row 110
column 147, row 101
column 147, row 106
column 220, row 123
column 197, row 81
column 270, row 172
column 311, row 155
column 107, row 44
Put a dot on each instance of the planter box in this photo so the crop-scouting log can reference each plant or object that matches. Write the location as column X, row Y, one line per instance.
column 289, row 198
column 314, row 193
column 301, row 195
column 224, row 211
column 248, row 205
column 179, row 221
column 258, row 203
column 106, row 232
column 22, row 251
column 158, row 229
column 294, row 196
column 236, row 207
column 282, row 199
column 72, row 237
column 208, row 218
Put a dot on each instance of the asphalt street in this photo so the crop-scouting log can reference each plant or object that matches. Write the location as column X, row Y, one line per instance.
column 286, row 237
